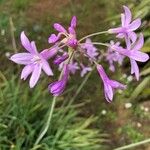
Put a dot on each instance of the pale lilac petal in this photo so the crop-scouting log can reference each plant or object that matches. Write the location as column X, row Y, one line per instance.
column 134, row 68
column 49, row 53
column 34, row 47
column 138, row 56
column 26, row 71
column 102, row 72
column 59, row 27
column 120, row 35
column 116, row 84
column 139, row 44
column 120, row 50
column 47, row 69
column 73, row 22
column 132, row 36
column 128, row 15
column 53, row 38
column 128, row 43
column 123, row 20
column 108, row 92
column 134, row 25
column 35, row 75
column 25, row 42
column 22, row 58
column 71, row 30
column 85, row 70
column 73, row 67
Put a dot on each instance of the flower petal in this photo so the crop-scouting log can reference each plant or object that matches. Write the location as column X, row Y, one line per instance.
column 73, row 22
column 127, row 15
column 35, row 75
column 59, row 27
column 25, row 42
column 120, row 35
column 53, row 38
column 71, row 31
column 116, row 84
column 138, row 56
column 22, row 58
column 57, row 87
column 139, row 44
column 108, row 92
column 26, row 71
column 49, row 53
column 134, row 25
column 34, row 47
column 134, row 68
column 102, row 73
column 132, row 36
column 47, row 69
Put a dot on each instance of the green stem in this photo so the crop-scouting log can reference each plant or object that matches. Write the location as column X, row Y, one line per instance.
column 93, row 34
column 48, row 121
column 133, row 145
column 99, row 43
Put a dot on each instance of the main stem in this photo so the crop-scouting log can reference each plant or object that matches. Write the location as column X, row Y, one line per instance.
column 48, row 121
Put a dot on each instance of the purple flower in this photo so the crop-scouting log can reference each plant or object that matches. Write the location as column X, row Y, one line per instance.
column 85, row 70
column 91, row 50
column 134, row 53
column 57, row 88
column 113, row 56
column 69, row 36
column 73, row 67
column 127, row 27
column 139, row 45
column 60, row 59
column 35, row 62
column 109, row 85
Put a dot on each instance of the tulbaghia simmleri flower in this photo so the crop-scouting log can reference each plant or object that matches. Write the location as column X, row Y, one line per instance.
column 34, row 61
column 85, row 70
column 91, row 50
column 73, row 67
column 57, row 88
column 109, row 85
column 127, row 28
column 138, row 46
column 72, row 55
column 113, row 56
column 65, row 37
column 134, row 54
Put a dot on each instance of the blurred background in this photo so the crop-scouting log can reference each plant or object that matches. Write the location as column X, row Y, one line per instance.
column 84, row 120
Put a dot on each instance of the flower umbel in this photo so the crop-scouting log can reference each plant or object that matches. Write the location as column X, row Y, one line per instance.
column 72, row 56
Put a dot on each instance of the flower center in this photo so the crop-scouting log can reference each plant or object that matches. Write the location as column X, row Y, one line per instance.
column 36, row 59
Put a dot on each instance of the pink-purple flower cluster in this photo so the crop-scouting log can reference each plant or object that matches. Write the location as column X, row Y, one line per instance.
column 71, row 55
